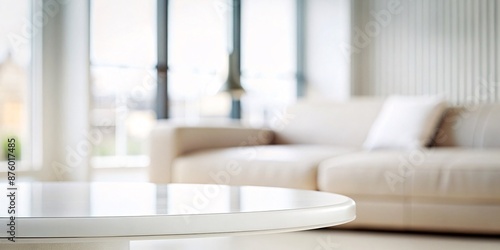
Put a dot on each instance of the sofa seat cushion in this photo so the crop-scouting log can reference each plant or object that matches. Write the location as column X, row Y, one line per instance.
column 437, row 173
column 361, row 173
column 292, row 166
column 461, row 174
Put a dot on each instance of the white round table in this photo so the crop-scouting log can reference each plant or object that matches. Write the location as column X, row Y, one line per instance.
column 110, row 215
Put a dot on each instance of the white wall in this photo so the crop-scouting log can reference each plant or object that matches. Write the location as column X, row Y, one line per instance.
column 409, row 47
column 327, row 32
column 448, row 47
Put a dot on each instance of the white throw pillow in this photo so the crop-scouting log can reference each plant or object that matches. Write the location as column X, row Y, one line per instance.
column 406, row 122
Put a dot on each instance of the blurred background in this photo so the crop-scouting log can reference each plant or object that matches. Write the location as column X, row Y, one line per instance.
column 82, row 82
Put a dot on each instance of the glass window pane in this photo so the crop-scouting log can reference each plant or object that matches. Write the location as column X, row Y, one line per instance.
column 15, row 66
column 268, row 58
column 268, row 35
column 122, row 107
column 197, row 35
column 123, row 32
column 124, row 82
column 198, row 57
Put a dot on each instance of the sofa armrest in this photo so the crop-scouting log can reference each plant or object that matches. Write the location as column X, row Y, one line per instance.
column 169, row 140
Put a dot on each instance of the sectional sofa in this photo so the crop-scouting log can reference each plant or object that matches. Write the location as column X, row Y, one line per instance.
column 450, row 185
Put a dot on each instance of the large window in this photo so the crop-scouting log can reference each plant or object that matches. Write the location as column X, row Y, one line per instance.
column 123, row 79
column 124, row 56
column 199, row 41
column 15, row 75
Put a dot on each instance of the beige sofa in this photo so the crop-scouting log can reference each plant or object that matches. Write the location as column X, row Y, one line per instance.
column 451, row 186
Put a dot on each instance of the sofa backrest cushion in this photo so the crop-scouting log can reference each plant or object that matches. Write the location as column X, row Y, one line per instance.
column 329, row 123
column 476, row 126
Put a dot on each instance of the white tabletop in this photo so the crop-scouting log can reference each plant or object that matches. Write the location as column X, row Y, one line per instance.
column 138, row 210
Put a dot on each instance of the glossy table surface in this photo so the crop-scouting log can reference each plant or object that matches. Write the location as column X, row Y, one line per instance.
column 66, row 210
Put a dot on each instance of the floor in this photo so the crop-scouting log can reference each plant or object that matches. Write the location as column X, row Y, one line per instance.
column 327, row 239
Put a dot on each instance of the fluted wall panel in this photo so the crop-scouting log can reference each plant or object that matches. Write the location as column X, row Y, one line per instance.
column 446, row 47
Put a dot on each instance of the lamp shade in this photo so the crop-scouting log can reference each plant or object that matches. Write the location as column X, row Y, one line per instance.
column 232, row 83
